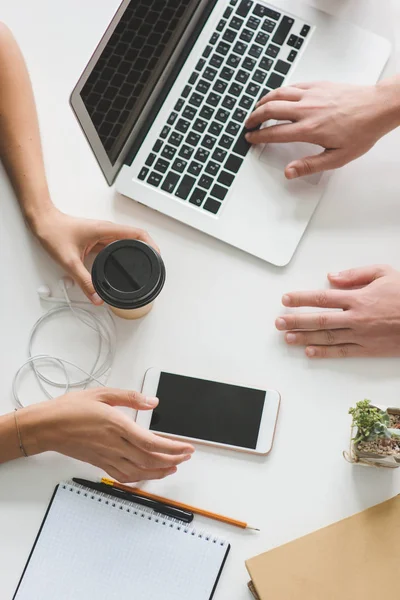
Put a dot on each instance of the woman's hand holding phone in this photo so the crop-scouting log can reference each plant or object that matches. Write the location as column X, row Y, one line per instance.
column 86, row 425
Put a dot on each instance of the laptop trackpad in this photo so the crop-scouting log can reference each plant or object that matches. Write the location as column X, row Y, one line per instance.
column 280, row 155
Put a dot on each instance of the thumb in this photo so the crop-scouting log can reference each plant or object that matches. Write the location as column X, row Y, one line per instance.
column 83, row 278
column 328, row 159
column 128, row 398
column 357, row 277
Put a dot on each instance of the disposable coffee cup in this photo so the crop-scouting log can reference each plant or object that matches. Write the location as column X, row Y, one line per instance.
column 128, row 275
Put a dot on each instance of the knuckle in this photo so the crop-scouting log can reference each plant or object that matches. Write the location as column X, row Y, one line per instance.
column 330, row 337
column 149, row 446
column 307, row 166
column 343, row 351
column 322, row 320
column 321, row 299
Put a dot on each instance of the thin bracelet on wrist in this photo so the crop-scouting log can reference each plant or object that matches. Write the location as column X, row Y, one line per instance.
column 21, row 445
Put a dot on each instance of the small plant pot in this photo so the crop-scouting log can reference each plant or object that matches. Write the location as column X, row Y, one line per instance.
column 382, row 452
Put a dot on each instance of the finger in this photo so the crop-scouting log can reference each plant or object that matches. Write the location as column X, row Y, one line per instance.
column 317, row 321
column 280, row 111
column 289, row 93
column 114, row 231
column 341, row 351
column 320, row 299
column 308, row 85
column 129, row 398
column 292, row 132
column 133, row 474
column 325, row 161
column 81, row 275
column 149, row 442
column 358, row 277
column 146, row 460
column 328, row 337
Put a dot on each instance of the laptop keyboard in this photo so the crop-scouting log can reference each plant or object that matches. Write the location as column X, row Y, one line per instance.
column 201, row 146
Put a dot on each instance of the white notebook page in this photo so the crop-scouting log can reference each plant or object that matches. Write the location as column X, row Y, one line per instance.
column 95, row 546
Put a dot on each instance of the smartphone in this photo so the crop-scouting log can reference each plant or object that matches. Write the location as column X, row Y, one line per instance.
column 210, row 412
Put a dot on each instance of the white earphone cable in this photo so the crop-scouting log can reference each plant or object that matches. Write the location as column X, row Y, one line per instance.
column 104, row 327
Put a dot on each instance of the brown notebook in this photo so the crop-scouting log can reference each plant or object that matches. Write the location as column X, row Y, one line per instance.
column 354, row 559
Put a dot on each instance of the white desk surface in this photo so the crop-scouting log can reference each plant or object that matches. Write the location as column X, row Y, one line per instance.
column 215, row 317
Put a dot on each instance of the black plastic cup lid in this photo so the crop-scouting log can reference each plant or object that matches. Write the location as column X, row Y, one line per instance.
column 128, row 274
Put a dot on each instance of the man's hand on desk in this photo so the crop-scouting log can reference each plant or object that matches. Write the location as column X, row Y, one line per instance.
column 368, row 323
column 69, row 240
column 345, row 120
column 87, row 426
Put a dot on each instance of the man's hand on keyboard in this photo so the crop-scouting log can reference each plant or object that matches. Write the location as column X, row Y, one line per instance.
column 366, row 321
column 69, row 240
column 346, row 120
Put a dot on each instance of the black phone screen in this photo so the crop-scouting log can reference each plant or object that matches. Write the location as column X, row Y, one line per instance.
column 207, row 410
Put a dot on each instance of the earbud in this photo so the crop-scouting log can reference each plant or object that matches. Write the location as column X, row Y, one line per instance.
column 64, row 284
column 44, row 292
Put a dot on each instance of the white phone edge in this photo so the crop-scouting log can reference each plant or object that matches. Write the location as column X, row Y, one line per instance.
column 267, row 429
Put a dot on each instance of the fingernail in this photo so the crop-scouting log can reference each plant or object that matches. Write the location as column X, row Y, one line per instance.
column 95, row 298
column 172, row 471
column 292, row 173
column 280, row 323
column 151, row 401
column 310, row 352
column 189, row 450
column 290, row 338
column 286, row 300
column 247, row 136
column 188, row 457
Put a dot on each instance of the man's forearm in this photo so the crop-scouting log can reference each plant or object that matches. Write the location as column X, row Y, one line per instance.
column 20, row 148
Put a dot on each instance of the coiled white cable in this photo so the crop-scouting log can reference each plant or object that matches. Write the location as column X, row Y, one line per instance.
column 99, row 320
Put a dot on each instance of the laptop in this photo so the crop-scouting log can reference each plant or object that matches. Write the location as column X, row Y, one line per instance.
column 164, row 98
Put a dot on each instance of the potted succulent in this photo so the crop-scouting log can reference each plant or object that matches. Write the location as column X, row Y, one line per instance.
column 375, row 435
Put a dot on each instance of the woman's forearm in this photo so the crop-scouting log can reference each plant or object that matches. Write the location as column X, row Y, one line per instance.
column 20, row 147
column 9, row 443
column 21, row 428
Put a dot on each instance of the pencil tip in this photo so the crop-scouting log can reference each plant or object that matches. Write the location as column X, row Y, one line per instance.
column 253, row 528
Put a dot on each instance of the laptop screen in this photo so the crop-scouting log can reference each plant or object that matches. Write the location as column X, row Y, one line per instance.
column 129, row 66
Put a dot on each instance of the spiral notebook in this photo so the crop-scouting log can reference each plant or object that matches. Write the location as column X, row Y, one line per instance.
column 92, row 545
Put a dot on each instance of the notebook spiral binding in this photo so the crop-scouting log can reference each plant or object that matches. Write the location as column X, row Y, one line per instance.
column 140, row 511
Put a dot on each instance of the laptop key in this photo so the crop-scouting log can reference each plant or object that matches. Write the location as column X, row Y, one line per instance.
column 239, row 48
column 272, row 14
column 214, row 38
column 189, row 112
column 268, row 26
column 229, row 35
column 227, row 13
column 242, row 76
column 212, row 168
column 272, row 51
column 253, row 22
column 165, row 131
column 228, row 102
column 236, row 23
column 220, row 86
column 206, row 181
column 244, row 8
column 186, row 151
column 226, row 74
column 182, row 125
column 213, row 99
column 292, row 40
column 207, row 51
column 298, row 44
column 203, row 86
column 192, row 138
column 226, row 141
column 259, row 10
column 161, row 165
column 235, row 89
column 248, row 63
column 157, row 146
column 266, row 63
column 252, row 89
column 262, row 38
column 221, row 25
column 212, row 205
column 172, row 118
column 305, row 30
column 196, row 99
column 233, row 163
column 292, row 55
column 179, row 104
column 197, row 197
column 200, row 64
column 175, row 139
column 209, row 74
column 223, row 48
column 206, row 112
column 143, row 172
column 255, row 50
column 150, row 159
column 168, row 152
column 193, row 79
column 283, row 30
column 282, row 67
column 179, row 165
column 215, row 129
column 186, row 91
column 208, row 142
column 200, row 125
column 233, row 60
column 246, row 102
column 246, row 35
column 218, row 191
column 222, row 115
column 232, row 128
column 154, row 179
column 242, row 146
column 194, row 168
column 259, row 76
column 275, row 80
column 226, row 178
column 219, row 155
column 170, row 182
column 185, row 187
column 239, row 115
column 202, row 154
column 216, row 60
